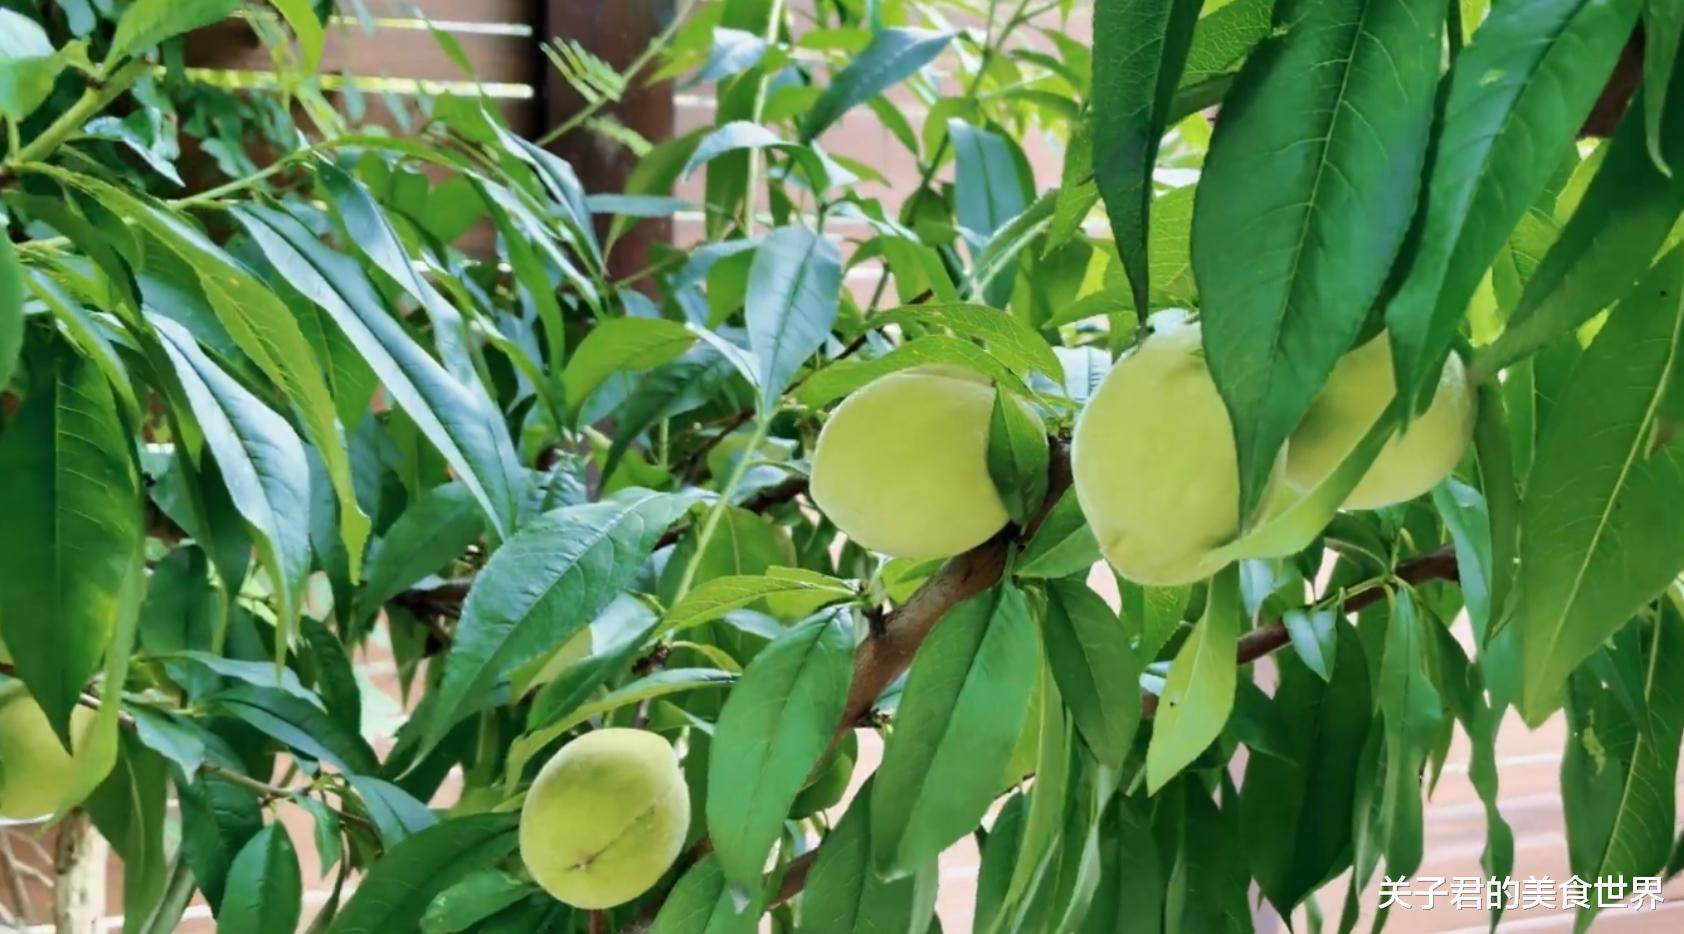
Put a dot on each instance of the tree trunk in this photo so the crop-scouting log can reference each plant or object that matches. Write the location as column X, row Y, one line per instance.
column 79, row 876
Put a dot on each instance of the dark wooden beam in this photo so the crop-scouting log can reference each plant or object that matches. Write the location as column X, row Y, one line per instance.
column 618, row 31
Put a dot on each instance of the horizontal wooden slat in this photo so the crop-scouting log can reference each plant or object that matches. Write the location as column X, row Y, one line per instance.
column 389, row 53
column 462, row 11
column 522, row 114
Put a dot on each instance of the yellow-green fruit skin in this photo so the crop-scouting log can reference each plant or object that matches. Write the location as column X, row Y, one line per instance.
column 1411, row 463
column 35, row 770
column 605, row 818
column 1153, row 461
column 901, row 467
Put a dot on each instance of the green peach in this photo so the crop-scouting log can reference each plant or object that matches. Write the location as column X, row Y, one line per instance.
column 901, row 466
column 1153, row 461
column 1411, row 463
column 36, row 772
column 605, row 818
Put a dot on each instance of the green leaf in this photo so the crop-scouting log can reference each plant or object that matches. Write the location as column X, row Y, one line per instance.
column 11, row 308
column 1071, row 880
column 649, row 687
column 330, row 845
column 472, row 900
column 260, row 323
column 1097, row 672
column 1131, row 898
column 844, row 896
column 1638, row 755
column 1518, row 94
column 128, row 810
column 1598, row 518
column 1139, row 49
column 740, row 135
column 217, row 818
column 1223, row 38
column 615, row 637
column 988, row 189
column 1466, row 696
column 1466, row 518
column 262, row 462
column 545, row 584
column 1663, row 27
column 808, row 591
column 301, row 725
column 1005, row 335
column 28, row 65
column 396, row 814
column 1017, row 457
column 1289, row 529
column 398, row 888
column 772, row 731
column 145, row 23
column 1199, row 690
column 1043, row 819
column 893, row 56
column 959, row 717
column 1494, row 454
column 70, row 518
column 1314, row 634
column 462, row 426
column 734, row 51
column 1154, row 613
column 844, row 376
column 1622, row 219
column 662, row 683
column 703, row 903
column 301, row 16
column 169, row 735
column 258, row 674
column 1063, row 544
column 265, row 892
column 1312, row 175
column 370, row 232
column 794, row 287
column 999, row 858
column 1207, row 888
column 1296, row 809
column 436, row 528
column 1411, row 711
column 620, row 345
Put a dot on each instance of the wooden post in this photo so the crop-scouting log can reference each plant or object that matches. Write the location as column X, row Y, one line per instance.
column 618, row 31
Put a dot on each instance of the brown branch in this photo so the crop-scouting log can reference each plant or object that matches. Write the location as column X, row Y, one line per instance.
column 795, row 877
column 1439, row 565
column 1610, row 107
column 774, row 495
column 880, row 660
column 888, row 653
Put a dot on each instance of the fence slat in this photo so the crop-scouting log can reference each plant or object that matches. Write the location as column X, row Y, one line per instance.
column 461, row 11
column 385, row 53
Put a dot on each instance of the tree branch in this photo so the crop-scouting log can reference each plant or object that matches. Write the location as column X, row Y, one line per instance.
column 1439, row 565
column 887, row 654
column 1623, row 82
column 882, row 659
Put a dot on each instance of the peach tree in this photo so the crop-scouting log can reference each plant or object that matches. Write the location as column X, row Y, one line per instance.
column 1158, row 526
